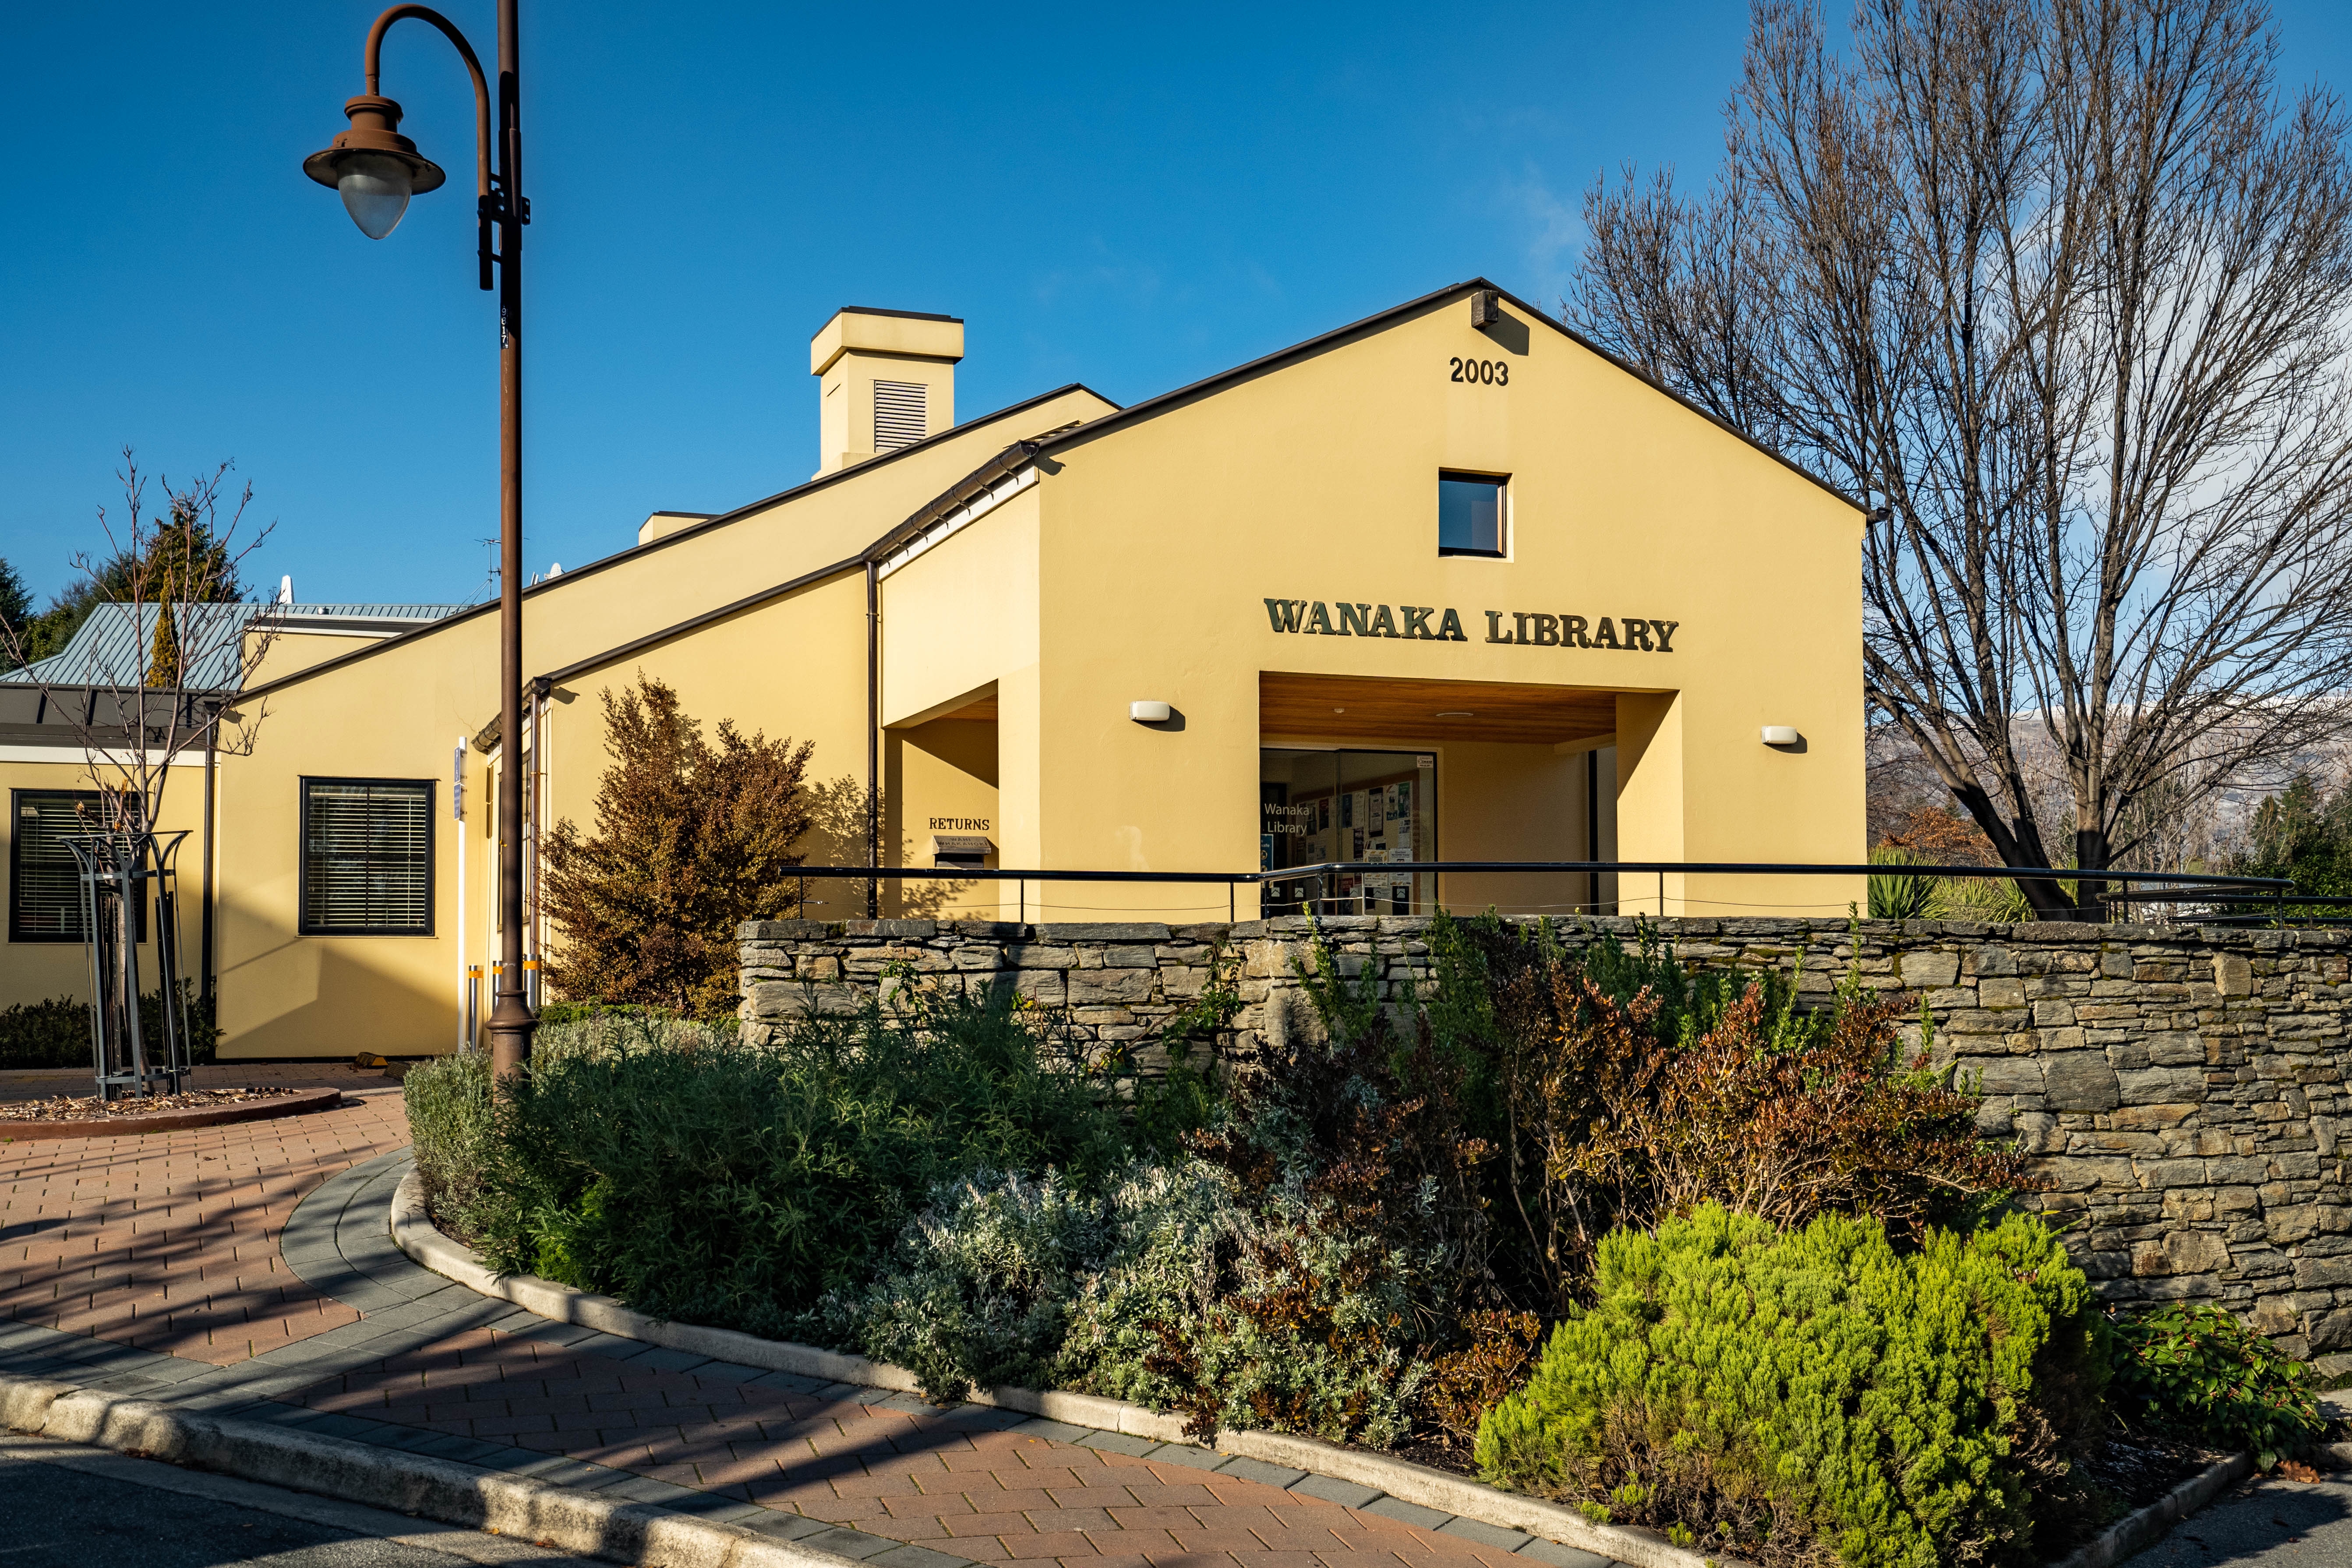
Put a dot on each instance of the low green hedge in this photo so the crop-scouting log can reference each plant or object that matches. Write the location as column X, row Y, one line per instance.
column 1761, row 1392
column 701, row 1179
column 448, row 1098
column 56, row 1033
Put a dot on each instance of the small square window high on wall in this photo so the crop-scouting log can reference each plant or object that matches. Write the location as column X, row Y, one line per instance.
column 1470, row 514
column 367, row 857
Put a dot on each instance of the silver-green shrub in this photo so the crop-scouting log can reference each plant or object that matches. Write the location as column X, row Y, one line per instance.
column 1031, row 1282
column 600, row 1034
column 448, row 1104
column 1168, row 1222
column 1313, row 1325
column 1011, row 1279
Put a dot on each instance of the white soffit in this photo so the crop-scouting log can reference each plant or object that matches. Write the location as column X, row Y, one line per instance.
column 964, row 516
column 73, row 756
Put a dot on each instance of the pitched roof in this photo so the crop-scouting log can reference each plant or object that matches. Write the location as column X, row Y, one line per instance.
column 718, row 520
column 112, row 646
column 1020, row 454
column 1135, row 412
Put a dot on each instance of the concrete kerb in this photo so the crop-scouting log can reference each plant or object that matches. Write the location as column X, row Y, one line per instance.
column 508, row 1505
column 1418, row 1494
column 2138, row 1531
column 418, row 1236
column 1535, row 1522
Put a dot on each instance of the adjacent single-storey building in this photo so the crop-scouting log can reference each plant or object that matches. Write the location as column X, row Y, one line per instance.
column 1448, row 583
column 68, row 736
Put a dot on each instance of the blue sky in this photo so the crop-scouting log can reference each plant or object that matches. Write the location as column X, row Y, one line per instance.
column 1133, row 197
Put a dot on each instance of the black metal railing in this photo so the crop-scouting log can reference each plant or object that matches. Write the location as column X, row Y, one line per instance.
column 2200, row 891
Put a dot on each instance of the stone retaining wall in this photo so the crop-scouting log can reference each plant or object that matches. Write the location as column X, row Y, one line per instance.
column 2181, row 1091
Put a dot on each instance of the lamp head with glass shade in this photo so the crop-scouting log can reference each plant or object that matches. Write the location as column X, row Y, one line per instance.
column 373, row 167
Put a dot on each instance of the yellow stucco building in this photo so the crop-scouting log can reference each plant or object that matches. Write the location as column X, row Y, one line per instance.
column 1448, row 583
column 64, row 742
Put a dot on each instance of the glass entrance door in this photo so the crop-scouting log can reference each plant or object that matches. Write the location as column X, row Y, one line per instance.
column 1364, row 809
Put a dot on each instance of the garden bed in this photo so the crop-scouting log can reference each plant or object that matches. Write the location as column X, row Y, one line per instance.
column 87, row 1116
column 1582, row 1232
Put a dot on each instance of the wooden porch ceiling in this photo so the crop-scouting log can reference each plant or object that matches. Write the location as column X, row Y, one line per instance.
column 1383, row 709
column 980, row 712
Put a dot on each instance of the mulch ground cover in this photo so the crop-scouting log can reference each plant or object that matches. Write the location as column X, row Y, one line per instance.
column 91, row 1108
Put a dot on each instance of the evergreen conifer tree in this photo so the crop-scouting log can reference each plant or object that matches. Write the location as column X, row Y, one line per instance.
column 690, row 840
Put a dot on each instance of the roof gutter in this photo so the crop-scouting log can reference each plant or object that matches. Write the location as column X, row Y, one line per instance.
column 1152, row 408
column 966, row 502
column 1006, row 474
column 707, row 617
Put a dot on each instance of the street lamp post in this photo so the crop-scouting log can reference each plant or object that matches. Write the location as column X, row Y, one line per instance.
column 376, row 170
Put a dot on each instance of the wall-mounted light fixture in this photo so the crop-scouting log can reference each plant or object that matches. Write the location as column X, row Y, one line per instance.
column 1148, row 713
column 1781, row 735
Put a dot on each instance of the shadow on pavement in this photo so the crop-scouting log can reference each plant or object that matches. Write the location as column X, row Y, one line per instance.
column 2269, row 1522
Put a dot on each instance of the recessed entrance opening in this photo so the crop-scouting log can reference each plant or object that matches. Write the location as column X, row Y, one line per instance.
column 1530, row 776
column 1318, row 806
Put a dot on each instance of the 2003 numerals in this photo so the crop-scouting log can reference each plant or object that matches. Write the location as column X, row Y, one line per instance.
column 1481, row 372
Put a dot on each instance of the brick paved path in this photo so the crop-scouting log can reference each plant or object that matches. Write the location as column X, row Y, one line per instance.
column 178, row 1267
column 168, row 1241
column 952, row 1480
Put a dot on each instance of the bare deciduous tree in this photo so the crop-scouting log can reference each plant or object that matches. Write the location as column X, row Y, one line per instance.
column 2059, row 287
column 139, row 703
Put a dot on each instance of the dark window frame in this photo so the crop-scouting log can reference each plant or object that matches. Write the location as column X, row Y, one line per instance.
column 1501, row 484
column 16, row 931
column 304, row 925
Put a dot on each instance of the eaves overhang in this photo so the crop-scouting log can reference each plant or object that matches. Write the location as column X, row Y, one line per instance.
column 1166, row 402
column 638, row 551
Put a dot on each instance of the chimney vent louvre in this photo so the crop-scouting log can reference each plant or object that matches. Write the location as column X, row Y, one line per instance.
column 901, row 412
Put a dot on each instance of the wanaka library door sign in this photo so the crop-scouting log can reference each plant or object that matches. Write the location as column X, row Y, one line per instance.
column 1313, row 617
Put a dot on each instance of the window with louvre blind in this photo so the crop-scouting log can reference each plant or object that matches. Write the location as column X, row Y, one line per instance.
column 367, row 857
column 901, row 413
column 44, row 880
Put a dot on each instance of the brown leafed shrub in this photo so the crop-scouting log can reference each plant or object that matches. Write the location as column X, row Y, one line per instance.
column 1938, row 835
column 1832, row 1125
column 691, row 840
column 1464, row 1385
column 1765, row 1110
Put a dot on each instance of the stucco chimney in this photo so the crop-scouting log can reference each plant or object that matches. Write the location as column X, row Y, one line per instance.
column 886, row 379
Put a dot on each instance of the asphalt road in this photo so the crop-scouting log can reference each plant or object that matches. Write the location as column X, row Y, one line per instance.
column 2271, row 1524
column 62, row 1506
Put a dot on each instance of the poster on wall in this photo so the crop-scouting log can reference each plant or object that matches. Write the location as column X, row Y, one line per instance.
column 1265, row 851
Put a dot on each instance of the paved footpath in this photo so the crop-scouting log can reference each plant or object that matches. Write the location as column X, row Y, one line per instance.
column 249, row 1271
column 2264, row 1523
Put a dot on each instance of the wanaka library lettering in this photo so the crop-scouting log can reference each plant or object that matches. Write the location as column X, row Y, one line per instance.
column 1530, row 628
